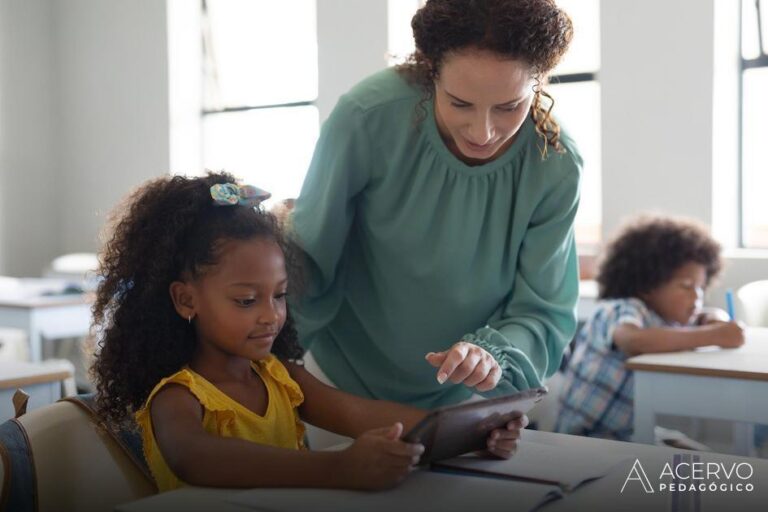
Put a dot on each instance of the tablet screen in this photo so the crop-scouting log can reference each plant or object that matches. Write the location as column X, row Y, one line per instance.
column 454, row 430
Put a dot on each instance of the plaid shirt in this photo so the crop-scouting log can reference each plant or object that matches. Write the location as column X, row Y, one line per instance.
column 598, row 390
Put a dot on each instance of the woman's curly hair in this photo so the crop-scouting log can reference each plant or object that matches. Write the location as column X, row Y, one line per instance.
column 536, row 32
column 167, row 229
column 649, row 250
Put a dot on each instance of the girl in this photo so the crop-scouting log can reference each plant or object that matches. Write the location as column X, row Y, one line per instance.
column 196, row 339
column 652, row 282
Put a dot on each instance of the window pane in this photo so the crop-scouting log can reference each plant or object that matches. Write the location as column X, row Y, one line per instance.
column 584, row 53
column 750, row 45
column 755, row 158
column 264, row 53
column 269, row 148
column 764, row 24
column 577, row 109
column 400, row 34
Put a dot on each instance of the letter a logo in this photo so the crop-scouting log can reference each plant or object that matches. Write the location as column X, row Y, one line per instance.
column 638, row 473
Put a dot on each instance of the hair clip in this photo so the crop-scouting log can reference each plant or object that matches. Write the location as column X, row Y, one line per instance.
column 230, row 194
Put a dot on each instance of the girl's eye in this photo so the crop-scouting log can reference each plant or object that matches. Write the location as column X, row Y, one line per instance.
column 245, row 302
column 281, row 296
column 459, row 105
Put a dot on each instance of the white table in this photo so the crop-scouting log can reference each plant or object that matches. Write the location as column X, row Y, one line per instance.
column 728, row 384
column 46, row 317
column 601, row 495
column 42, row 383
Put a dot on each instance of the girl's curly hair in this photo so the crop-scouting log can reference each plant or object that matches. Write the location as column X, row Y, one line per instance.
column 536, row 32
column 167, row 229
column 647, row 253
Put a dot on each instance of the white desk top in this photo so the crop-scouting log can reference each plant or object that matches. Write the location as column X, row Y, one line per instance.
column 749, row 361
column 14, row 374
column 30, row 292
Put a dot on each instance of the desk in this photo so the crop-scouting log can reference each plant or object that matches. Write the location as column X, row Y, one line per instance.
column 601, row 495
column 40, row 382
column 728, row 384
column 60, row 316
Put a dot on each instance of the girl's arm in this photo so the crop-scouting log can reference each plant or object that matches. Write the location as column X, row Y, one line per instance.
column 376, row 460
column 346, row 414
column 335, row 410
column 633, row 340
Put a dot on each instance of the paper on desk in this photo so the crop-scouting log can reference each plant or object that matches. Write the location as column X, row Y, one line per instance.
column 539, row 462
column 422, row 490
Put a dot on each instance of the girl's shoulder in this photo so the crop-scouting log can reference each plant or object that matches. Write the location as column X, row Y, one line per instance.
column 210, row 397
column 277, row 371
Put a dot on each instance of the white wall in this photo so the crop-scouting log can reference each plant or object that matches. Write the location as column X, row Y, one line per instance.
column 656, row 81
column 112, row 68
column 669, row 120
column 83, row 118
column 352, row 44
column 29, row 195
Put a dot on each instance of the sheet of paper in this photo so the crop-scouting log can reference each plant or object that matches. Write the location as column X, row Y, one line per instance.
column 422, row 490
column 556, row 465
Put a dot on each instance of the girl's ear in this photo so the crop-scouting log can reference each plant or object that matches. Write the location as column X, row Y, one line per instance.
column 183, row 297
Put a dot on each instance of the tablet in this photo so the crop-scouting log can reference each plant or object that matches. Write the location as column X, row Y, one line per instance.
column 454, row 430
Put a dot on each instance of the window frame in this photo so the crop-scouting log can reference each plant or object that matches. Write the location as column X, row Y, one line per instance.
column 761, row 61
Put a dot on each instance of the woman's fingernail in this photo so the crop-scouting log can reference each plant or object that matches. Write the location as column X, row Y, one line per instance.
column 441, row 377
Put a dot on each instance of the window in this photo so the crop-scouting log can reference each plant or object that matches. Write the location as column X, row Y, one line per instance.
column 754, row 123
column 260, row 75
column 573, row 85
column 576, row 91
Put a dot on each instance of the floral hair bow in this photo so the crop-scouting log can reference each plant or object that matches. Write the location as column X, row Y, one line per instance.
column 229, row 194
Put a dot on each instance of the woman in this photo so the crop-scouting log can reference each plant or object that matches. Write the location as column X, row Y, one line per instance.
column 437, row 214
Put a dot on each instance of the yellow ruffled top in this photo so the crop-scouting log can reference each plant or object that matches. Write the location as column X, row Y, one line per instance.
column 222, row 416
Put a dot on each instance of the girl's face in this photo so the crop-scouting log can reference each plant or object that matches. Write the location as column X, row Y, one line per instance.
column 480, row 103
column 240, row 302
column 680, row 298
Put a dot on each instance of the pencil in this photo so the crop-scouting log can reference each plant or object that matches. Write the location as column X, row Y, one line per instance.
column 729, row 304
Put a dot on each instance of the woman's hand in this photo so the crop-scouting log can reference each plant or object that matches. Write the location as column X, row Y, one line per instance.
column 502, row 442
column 378, row 459
column 468, row 364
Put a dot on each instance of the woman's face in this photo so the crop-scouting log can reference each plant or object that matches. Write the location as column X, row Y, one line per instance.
column 480, row 103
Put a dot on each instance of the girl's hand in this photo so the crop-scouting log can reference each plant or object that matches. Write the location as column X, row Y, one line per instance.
column 502, row 443
column 378, row 459
column 468, row 364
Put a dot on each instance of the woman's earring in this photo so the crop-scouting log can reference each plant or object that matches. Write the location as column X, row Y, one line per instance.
column 189, row 319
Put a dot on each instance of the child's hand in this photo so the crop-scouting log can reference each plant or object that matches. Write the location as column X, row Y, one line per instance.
column 503, row 442
column 468, row 364
column 728, row 334
column 378, row 459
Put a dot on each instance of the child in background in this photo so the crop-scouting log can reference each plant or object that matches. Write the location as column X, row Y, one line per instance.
column 651, row 281
column 196, row 340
